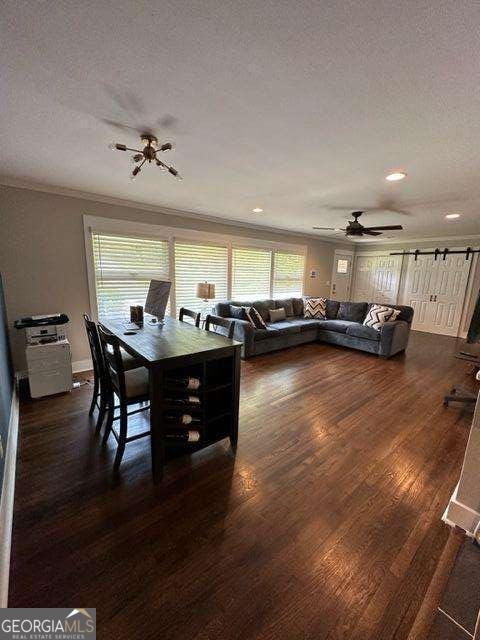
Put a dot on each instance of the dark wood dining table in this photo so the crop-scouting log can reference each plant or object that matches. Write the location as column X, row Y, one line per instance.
column 174, row 345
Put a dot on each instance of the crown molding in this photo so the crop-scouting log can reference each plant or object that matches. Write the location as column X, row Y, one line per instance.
column 413, row 240
column 18, row 183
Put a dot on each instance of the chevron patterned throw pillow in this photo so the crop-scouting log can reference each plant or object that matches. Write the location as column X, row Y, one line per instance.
column 315, row 308
column 378, row 315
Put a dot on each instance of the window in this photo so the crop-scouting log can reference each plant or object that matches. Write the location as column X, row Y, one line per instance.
column 251, row 272
column 288, row 274
column 342, row 266
column 196, row 263
column 123, row 256
column 124, row 266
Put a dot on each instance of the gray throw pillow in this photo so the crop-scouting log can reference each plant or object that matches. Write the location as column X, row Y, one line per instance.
column 276, row 315
column 239, row 313
column 285, row 304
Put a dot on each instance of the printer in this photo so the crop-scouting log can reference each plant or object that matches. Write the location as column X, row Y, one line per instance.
column 48, row 354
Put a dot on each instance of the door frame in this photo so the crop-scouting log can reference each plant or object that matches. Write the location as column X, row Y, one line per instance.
column 343, row 252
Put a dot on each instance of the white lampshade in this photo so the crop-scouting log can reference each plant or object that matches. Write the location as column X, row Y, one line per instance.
column 205, row 290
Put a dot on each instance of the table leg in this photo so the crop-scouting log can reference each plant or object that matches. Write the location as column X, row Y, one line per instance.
column 235, row 398
column 156, row 427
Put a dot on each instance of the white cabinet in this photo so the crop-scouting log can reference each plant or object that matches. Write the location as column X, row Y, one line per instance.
column 49, row 368
column 376, row 278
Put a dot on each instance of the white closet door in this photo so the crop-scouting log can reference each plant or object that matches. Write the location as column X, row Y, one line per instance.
column 449, row 294
column 363, row 285
column 377, row 279
column 386, row 279
column 419, row 288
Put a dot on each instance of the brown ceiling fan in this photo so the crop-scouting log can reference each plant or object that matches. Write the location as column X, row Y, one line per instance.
column 354, row 228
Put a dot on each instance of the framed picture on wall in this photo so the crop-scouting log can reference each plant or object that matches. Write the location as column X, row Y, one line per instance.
column 313, row 273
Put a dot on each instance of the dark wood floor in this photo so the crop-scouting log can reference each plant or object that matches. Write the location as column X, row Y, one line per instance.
column 326, row 524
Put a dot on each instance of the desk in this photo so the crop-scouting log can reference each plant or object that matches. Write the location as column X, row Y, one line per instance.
column 178, row 349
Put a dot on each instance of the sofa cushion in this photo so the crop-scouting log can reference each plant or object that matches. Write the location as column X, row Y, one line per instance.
column 339, row 326
column 297, row 306
column 283, row 327
column 352, row 311
column 362, row 331
column 315, row 308
column 277, row 315
column 332, row 307
column 263, row 334
column 305, row 324
column 378, row 315
column 263, row 307
column 286, row 304
column 222, row 309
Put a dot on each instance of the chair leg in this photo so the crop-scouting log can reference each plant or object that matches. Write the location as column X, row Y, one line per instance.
column 94, row 397
column 110, row 416
column 101, row 413
column 122, row 437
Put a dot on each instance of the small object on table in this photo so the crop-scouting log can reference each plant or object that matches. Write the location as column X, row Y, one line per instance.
column 136, row 314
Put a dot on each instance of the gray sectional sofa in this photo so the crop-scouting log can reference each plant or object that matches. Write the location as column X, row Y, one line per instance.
column 342, row 326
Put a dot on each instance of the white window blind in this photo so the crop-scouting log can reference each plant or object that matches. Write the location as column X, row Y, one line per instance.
column 196, row 263
column 251, row 273
column 124, row 266
column 288, row 273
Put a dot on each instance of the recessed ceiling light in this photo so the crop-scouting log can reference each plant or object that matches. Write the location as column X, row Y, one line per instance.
column 452, row 216
column 257, row 210
column 395, row 176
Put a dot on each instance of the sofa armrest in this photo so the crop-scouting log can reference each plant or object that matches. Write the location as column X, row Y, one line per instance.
column 244, row 332
column 393, row 338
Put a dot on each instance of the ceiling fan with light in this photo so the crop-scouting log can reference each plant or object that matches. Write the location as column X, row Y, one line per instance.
column 148, row 154
column 354, row 228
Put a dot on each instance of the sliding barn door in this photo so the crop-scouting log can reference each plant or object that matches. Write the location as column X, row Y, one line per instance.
column 449, row 294
column 436, row 290
column 419, row 286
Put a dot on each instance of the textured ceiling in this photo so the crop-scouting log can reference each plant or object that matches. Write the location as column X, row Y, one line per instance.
column 296, row 107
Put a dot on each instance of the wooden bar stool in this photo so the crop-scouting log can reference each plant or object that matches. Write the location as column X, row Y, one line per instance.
column 99, row 396
column 218, row 321
column 191, row 314
column 130, row 386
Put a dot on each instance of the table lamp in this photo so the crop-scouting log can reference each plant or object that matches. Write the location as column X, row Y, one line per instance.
column 205, row 291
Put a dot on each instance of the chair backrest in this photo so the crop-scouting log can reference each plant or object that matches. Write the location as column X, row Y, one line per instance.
column 191, row 314
column 115, row 372
column 218, row 321
column 95, row 348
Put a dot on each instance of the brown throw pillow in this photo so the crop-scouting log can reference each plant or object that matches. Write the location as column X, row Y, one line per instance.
column 276, row 315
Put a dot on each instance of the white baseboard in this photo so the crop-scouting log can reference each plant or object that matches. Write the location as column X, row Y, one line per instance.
column 82, row 365
column 459, row 515
column 6, row 501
